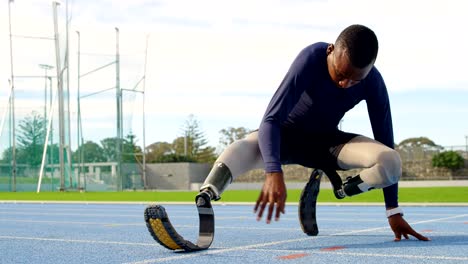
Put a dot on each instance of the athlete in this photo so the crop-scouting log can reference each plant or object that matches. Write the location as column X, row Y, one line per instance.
column 300, row 126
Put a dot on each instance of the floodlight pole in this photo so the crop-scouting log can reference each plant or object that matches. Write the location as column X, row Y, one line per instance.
column 119, row 113
column 60, row 99
column 79, row 139
column 12, row 104
column 145, row 185
column 67, row 61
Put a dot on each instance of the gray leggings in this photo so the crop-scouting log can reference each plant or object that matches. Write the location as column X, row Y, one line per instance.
column 381, row 164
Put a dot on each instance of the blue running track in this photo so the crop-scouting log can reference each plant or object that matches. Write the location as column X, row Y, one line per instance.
column 116, row 233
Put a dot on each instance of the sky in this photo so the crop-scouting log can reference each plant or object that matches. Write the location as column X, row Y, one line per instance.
column 221, row 61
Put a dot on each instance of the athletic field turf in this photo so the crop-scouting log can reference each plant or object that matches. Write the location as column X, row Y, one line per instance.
column 412, row 195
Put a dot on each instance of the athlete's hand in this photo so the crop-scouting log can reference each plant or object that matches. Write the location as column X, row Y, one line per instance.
column 273, row 194
column 401, row 227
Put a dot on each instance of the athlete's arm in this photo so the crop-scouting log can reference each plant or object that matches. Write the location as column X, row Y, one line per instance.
column 273, row 192
column 378, row 106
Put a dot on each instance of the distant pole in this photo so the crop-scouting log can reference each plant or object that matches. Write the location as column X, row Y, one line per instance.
column 78, row 118
column 67, row 61
column 60, row 99
column 119, row 112
column 12, row 104
column 145, row 185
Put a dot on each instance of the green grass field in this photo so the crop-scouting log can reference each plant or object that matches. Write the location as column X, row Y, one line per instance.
column 410, row 195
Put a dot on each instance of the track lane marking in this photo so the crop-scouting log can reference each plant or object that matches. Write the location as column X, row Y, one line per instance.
column 219, row 251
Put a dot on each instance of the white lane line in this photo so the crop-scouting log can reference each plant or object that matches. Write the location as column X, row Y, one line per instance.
column 70, row 222
column 440, row 220
column 219, row 251
column 117, row 215
column 143, row 224
column 80, row 241
column 294, row 219
column 70, row 214
column 77, row 210
column 172, row 216
column 218, row 227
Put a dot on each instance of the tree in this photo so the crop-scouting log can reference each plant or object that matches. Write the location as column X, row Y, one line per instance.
column 171, row 157
column 109, row 148
column 417, row 148
column 31, row 138
column 129, row 149
column 448, row 159
column 231, row 134
column 155, row 151
column 193, row 142
column 53, row 154
column 206, row 155
column 418, row 141
column 91, row 152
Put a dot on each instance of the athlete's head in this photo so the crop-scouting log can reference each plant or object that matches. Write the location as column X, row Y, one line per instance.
column 352, row 56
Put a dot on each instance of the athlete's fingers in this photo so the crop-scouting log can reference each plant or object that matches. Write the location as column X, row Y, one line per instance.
column 271, row 208
column 419, row 236
column 263, row 204
column 397, row 236
column 279, row 209
column 278, row 212
column 257, row 204
column 412, row 232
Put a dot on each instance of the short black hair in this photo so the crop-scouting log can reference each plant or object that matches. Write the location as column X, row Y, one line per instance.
column 361, row 45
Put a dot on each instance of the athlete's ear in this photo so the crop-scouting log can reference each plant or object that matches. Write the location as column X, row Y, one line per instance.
column 330, row 48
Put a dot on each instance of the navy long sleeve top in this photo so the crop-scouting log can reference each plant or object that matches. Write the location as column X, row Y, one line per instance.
column 307, row 98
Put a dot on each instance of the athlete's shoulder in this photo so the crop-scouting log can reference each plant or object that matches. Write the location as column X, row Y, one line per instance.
column 315, row 49
column 311, row 56
column 374, row 83
column 374, row 77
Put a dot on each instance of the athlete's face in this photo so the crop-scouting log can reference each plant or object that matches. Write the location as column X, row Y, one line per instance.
column 341, row 71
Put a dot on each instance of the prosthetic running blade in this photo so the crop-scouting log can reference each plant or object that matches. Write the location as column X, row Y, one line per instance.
column 161, row 229
column 308, row 200
column 307, row 204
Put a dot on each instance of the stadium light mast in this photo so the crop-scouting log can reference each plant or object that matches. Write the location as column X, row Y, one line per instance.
column 12, row 103
column 145, row 182
column 79, row 138
column 60, row 98
column 119, row 112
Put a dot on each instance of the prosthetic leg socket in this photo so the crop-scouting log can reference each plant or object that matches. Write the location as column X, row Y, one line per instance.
column 355, row 185
column 217, row 181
